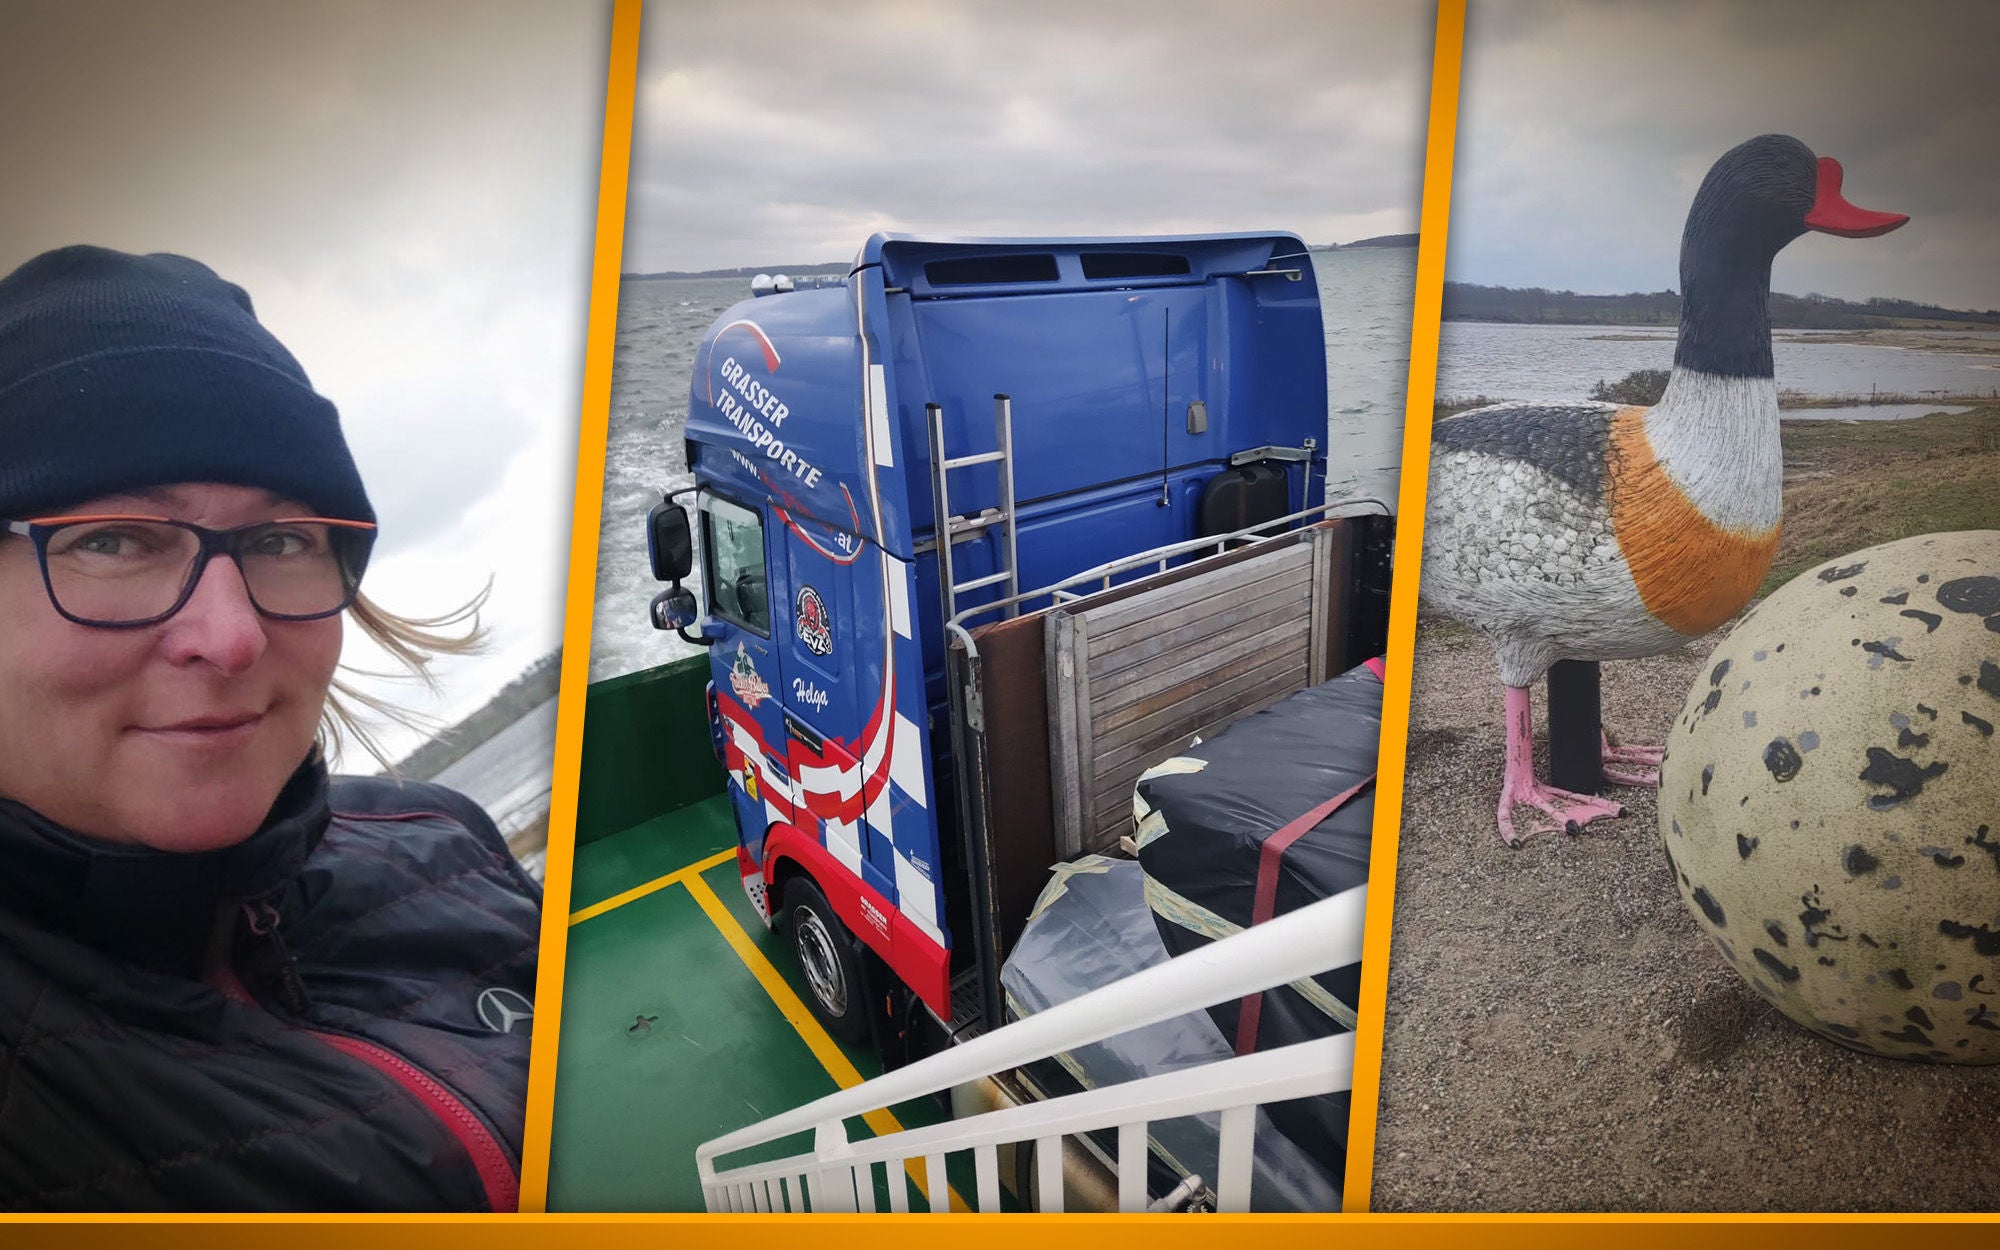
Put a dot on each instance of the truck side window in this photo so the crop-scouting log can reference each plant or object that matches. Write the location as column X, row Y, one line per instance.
column 737, row 587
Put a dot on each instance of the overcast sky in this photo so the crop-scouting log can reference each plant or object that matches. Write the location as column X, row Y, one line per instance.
column 408, row 192
column 772, row 133
column 1586, row 125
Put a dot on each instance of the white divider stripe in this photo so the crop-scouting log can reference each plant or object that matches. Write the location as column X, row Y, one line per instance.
column 1049, row 1174
column 881, row 817
column 896, row 576
column 846, row 847
column 906, row 762
column 986, row 1166
column 914, row 889
column 871, row 751
column 1232, row 1180
column 916, row 898
column 936, row 1190
column 1132, row 1167
column 878, row 416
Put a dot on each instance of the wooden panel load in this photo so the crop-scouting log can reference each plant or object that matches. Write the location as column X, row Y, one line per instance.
column 1135, row 677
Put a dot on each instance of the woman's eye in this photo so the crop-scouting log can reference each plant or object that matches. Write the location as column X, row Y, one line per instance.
column 109, row 541
column 283, row 542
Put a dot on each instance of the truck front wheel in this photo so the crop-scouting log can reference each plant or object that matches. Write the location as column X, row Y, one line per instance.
column 825, row 955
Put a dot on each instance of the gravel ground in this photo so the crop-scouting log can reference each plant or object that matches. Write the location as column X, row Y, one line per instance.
column 1561, row 1037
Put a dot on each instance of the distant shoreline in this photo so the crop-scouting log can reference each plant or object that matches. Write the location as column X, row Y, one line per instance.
column 1469, row 301
column 1941, row 338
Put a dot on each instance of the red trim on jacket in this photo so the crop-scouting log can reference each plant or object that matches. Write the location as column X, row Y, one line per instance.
column 489, row 1157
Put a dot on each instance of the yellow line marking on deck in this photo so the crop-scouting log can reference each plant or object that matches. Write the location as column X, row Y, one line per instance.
column 800, row 1017
column 656, row 884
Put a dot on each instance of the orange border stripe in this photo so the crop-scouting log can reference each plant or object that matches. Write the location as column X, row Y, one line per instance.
column 999, row 1232
column 620, row 91
column 1419, row 403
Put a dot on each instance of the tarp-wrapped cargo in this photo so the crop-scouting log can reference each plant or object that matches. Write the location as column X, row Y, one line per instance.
column 1269, row 815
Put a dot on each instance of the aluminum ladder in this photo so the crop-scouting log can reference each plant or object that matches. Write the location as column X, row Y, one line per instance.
column 953, row 530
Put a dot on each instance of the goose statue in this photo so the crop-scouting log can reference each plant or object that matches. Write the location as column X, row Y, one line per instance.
column 1590, row 531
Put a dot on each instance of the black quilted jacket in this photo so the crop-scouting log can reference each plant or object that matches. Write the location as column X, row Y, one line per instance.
column 330, row 1016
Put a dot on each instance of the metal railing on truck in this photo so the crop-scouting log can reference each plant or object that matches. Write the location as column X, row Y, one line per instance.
column 837, row 1174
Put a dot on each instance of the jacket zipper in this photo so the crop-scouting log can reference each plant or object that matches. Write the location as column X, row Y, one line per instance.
column 496, row 1171
column 502, row 1184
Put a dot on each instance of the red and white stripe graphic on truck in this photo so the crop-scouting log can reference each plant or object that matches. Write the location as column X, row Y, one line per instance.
column 795, row 808
column 775, row 769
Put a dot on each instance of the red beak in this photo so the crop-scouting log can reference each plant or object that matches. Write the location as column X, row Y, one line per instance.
column 1833, row 215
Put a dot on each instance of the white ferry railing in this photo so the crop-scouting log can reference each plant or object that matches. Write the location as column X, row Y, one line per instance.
column 837, row 1174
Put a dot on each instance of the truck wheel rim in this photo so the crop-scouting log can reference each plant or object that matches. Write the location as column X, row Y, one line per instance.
column 820, row 961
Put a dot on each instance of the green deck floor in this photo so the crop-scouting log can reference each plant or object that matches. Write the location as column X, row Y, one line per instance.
column 644, row 852
column 667, row 1038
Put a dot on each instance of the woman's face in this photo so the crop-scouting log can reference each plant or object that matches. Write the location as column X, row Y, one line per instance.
column 178, row 735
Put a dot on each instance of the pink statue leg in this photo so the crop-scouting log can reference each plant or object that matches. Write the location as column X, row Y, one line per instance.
column 1630, row 764
column 1567, row 811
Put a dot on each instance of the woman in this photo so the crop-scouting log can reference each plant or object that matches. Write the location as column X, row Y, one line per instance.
column 227, row 981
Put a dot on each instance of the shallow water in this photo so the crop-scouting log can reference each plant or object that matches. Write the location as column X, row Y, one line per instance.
column 1868, row 412
column 1554, row 363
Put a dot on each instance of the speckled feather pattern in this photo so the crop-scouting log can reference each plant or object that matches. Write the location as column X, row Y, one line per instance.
column 1549, row 528
column 1565, row 441
column 1526, row 554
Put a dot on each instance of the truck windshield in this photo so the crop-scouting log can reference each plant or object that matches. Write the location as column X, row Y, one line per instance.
column 736, row 579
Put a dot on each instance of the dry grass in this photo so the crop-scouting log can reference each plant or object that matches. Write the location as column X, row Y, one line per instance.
column 1853, row 484
column 1790, row 400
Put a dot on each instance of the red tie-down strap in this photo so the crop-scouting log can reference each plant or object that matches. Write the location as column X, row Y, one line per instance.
column 1268, row 859
column 1377, row 666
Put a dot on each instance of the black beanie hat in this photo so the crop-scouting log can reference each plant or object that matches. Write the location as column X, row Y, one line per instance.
column 119, row 372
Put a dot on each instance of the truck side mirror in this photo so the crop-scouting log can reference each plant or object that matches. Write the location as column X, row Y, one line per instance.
column 674, row 608
column 669, row 542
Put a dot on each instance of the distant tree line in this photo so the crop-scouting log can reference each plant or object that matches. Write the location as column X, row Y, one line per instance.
column 536, row 685
column 1465, row 301
column 821, row 269
column 1380, row 240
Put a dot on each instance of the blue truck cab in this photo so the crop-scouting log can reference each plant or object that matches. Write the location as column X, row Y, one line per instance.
column 887, row 465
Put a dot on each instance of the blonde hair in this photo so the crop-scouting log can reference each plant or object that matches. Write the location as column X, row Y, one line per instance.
column 414, row 642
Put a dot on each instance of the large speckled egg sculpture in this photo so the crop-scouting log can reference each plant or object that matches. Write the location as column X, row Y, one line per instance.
column 1830, row 801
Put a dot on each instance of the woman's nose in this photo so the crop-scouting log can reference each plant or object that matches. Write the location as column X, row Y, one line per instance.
column 218, row 624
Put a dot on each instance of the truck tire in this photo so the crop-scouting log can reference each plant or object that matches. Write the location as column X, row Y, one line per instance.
column 827, row 965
